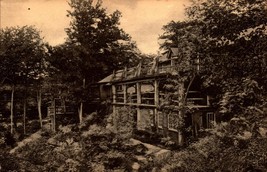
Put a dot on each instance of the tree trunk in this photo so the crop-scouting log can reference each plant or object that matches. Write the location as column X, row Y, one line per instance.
column 39, row 104
column 12, row 110
column 24, row 115
column 80, row 110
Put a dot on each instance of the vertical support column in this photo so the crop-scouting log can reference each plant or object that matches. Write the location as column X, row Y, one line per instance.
column 113, row 99
column 124, row 87
column 198, row 64
column 138, row 88
column 113, row 122
column 208, row 100
column 53, row 119
column 181, row 102
column 12, row 110
column 156, row 101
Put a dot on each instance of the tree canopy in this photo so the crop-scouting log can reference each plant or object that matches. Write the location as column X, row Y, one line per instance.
column 235, row 37
column 101, row 45
column 22, row 53
column 230, row 39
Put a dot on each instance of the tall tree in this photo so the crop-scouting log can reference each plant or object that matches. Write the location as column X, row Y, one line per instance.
column 22, row 53
column 234, row 51
column 230, row 39
column 103, row 46
column 100, row 46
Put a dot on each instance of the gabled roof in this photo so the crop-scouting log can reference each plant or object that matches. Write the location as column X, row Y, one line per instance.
column 164, row 57
column 115, row 76
column 169, row 54
column 142, row 71
column 106, row 79
column 174, row 52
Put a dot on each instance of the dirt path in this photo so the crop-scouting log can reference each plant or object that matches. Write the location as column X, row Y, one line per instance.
column 33, row 137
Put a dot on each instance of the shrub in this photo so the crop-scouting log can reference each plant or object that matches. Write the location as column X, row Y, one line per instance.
column 236, row 145
column 8, row 162
column 122, row 123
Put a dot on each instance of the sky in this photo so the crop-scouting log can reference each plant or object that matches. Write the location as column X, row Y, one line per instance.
column 142, row 19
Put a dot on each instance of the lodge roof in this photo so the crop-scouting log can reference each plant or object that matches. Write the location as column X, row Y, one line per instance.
column 142, row 71
column 167, row 55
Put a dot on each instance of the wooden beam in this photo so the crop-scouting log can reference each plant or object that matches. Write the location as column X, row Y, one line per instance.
column 124, row 87
column 12, row 110
column 134, row 104
column 156, row 92
column 156, row 101
column 138, row 87
column 113, row 100
column 208, row 100
column 181, row 102
column 114, row 93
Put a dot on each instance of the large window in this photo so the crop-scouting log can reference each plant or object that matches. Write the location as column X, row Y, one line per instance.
column 209, row 120
column 147, row 93
column 131, row 93
column 119, row 93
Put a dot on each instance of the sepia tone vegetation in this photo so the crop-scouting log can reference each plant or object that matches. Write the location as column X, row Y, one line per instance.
column 227, row 37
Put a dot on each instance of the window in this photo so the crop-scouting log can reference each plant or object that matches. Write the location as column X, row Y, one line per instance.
column 147, row 93
column 131, row 93
column 119, row 93
column 210, row 119
column 119, row 88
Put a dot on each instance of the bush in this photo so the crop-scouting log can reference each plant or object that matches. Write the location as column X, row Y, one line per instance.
column 8, row 162
column 122, row 123
column 233, row 146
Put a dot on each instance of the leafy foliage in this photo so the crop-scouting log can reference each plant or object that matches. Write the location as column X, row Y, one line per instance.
column 84, row 148
column 22, row 53
column 232, row 147
column 231, row 30
column 122, row 122
column 101, row 46
column 229, row 39
column 186, row 36
column 23, row 63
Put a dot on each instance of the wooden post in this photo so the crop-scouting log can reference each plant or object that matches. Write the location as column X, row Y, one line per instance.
column 12, row 110
column 113, row 87
column 54, row 117
column 138, row 87
column 39, row 107
column 181, row 103
column 124, row 87
column 51, row 110
column 156, row 101
column 113, row 93
column 114, row 121
column 208, row 100
column 24, row 115
column 81, row 105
